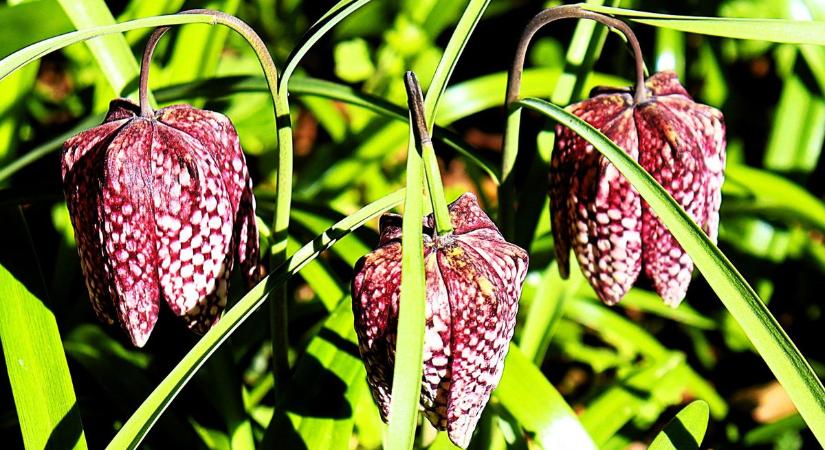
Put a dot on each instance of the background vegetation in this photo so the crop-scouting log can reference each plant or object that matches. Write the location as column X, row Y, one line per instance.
column 625, row 371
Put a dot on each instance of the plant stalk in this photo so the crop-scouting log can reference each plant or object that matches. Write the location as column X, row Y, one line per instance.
column 511, row 134
column 143, row 89
column 415, row 100
column 278, row 311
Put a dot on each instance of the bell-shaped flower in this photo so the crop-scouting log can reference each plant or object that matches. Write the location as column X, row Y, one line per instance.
column 160, row 206
column 473, row 283
column 598, row 214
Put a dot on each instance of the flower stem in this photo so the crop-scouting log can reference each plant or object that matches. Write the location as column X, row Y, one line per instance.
column 571, row 12
column 279, row 320
column 511, row 135
column 415, row 100
column 143, row 89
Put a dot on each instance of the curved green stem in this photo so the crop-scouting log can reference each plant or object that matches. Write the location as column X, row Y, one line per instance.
column 143, row 89
column 280, row 359
column 511, row 130
column 278, row 312
column 422, row 137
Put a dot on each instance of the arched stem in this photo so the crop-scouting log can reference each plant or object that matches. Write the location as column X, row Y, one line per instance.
column 143, row 89
column 283, row 173
column 571, row 12
column 511, row 135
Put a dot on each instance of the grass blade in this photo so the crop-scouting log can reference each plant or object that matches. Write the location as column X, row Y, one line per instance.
column 326, row 387
column 409, row 350
column 768, row 337
column 336, row 14
column 346, row 94
column 538, row 407
column 686, row 430
column 769, row 193
column 772, row 30
column 38, row 373
column 546, row 310
column 406, row 385
column 20, row 58
column 113, row 55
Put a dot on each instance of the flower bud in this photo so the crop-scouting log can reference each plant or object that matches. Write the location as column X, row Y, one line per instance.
column 600, row 215
column 473, row 283
column 160, row 206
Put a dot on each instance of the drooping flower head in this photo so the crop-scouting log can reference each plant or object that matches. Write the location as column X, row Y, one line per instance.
column 161, row 206
column 598, row 214
column 473, row 283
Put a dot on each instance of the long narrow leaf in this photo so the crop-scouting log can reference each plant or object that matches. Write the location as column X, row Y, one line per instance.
column 20, row 58
column 326, row 386
column 112, row 52
column 406, row 385
column 538, row 407
column 409, row 347
column 336, row 14
column 771, row 30
column 39, row 376
column 770, row 340
column 770, row 194
column 339, row 92
column 685, row 431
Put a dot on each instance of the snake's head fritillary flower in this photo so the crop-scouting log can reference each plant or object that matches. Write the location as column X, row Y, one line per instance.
column 473, row 283
column 161, row 206
column 597, row 212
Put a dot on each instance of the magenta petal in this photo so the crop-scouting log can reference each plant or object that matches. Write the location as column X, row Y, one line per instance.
column 129, row 229
column 375, row 294
column 84, row 154
column 476, row 329
column 194, row 227
column 220, row 140
column 601, row 208
column 574, row 163
column 675, row 159
column 466, row 215
column 666, row 83
column 246, row 235
column 437, row 375
column 484, row 283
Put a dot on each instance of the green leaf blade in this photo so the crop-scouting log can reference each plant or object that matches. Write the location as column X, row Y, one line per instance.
column 686, row 430
column 772, row 30
column 112, row 52
column 538, row 407
column 36, row 363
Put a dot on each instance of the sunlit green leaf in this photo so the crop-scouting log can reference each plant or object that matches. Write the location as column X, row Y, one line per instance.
column 685, row 431
column 773, row 30
column 39, row 376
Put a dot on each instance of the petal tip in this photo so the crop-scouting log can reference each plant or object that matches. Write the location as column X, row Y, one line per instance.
column 139, row 336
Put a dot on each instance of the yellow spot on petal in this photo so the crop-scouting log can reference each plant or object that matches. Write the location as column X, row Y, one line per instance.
column 485, row 286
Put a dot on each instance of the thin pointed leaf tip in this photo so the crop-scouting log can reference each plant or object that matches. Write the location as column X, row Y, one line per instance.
column 598, row 214
column 161, row 206
column 473, row 283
